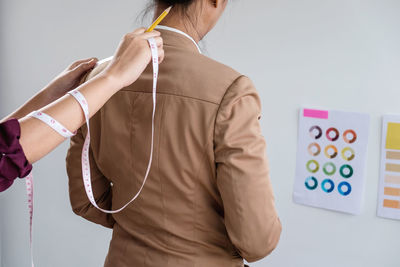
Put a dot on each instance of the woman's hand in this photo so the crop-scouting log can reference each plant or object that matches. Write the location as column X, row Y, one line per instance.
column 132, row 57
column 69, row 79
column 63, row 83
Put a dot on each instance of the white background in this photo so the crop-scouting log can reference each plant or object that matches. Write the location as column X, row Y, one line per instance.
column 332, row 54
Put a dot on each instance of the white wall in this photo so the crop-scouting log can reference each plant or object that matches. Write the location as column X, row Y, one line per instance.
column 334, row 54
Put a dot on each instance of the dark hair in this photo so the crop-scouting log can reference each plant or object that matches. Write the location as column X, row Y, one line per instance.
column 180, row 6
column 175, row 2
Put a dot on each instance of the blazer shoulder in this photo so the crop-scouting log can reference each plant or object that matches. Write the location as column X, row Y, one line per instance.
column 232, row 82
column 216, row 70
column 207, row 78
column 218, row 66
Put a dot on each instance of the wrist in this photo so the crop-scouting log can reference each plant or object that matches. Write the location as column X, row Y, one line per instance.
column 50, row 93
column 109, row 81
column 43, row 98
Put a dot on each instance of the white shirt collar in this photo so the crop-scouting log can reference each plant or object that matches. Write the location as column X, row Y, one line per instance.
column 162, row 27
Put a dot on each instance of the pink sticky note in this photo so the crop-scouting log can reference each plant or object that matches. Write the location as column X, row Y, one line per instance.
column 315, row 113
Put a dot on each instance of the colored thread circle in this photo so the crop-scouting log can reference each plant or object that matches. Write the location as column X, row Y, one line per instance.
column 333, row 168
column 349, row 174
column 352, row 133
column 312, row 132
column 334, row 154
column 310, row 149
column 328, row 134
column 311, row 187
column 348, row 158
column 340, row 188
column 315, row 169
column 330, row 182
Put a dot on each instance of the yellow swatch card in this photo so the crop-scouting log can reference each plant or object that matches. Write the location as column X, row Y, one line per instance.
column 393, row 136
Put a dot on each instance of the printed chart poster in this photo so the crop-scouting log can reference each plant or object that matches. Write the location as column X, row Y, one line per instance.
column 331, row 159
column 389, row 183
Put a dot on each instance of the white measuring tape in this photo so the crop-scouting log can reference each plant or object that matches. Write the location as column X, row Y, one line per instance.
column 85, row 150
column 58, row 127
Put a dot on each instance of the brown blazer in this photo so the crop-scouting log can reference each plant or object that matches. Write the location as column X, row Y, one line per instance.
column 208, row 200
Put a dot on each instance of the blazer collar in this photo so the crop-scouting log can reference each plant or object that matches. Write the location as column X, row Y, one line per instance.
column 177, row 38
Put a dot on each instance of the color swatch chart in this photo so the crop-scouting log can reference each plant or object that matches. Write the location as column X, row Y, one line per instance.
column 389, row 183
column 331, row 159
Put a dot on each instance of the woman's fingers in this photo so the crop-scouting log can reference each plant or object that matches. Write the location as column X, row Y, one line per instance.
column 148, row 35
column 160, row 48
column 84, row 66
column 161, row 55
column 70, row 78
column 142, row 34
column 159, row 41
column 78, row 62
column 74, row 75
column 139, row 30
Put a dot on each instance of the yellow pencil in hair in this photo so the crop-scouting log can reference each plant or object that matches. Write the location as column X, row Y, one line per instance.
column 159, row 19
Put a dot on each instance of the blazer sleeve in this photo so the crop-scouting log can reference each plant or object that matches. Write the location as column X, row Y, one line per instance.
column 102, row 188
column 243, row 178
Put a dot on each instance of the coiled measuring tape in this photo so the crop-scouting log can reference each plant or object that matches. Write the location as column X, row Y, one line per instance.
column 58, row 127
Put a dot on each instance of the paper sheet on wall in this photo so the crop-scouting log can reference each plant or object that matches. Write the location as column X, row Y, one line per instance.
column 331, row 159
column 389, row 182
